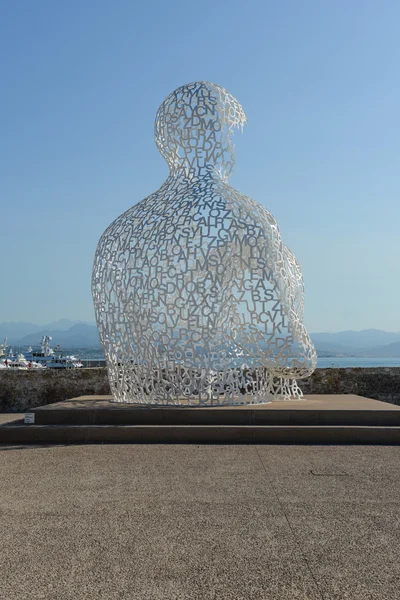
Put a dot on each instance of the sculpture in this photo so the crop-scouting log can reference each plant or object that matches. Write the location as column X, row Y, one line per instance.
column 197, row 300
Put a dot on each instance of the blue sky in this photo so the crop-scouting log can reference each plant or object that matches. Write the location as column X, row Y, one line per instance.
column 319, row 81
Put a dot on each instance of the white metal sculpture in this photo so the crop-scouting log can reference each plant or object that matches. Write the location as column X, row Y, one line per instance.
column 197, row 300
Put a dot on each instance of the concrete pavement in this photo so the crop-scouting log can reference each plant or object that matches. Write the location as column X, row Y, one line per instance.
column 199, row 522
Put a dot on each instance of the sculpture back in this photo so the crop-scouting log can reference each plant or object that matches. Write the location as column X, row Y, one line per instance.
column 197, row 300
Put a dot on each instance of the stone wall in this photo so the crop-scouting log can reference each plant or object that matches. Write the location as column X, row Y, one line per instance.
column 21, row 390
column 380, row 383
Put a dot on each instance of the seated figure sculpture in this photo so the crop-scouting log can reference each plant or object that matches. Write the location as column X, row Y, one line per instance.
column 197, row 300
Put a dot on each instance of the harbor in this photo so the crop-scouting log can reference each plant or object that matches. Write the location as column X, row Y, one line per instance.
column 44, row 357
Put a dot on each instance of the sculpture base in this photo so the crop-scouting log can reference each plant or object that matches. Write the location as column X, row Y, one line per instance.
column 342, row 419
column 232, row 388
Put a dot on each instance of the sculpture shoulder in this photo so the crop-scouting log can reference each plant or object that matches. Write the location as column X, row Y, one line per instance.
column 250, row 210
column 132, row 221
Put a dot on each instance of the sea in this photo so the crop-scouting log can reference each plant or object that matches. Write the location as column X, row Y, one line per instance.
column 322, row 362
column 96, row 358
column 356, row 361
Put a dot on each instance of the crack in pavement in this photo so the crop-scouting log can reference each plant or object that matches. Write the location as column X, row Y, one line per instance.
column 297, row 541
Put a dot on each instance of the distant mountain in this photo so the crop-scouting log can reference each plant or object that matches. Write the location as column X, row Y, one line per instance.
column 15, row 331
column 63, row 324
column 391, row 350
column 354, row 341
column 331, row 346
column 80, row 335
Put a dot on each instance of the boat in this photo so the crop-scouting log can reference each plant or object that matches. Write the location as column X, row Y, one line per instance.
column 45, row 358
column 21, row 362
column 11, row 362
column 3, row 354
column 21, row 365
column 52, row 358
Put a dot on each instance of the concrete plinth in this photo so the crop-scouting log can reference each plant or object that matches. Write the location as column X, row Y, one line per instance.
column 316, row 419
column 313, row 410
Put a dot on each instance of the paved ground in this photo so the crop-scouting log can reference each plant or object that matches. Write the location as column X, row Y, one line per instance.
column 199, row 522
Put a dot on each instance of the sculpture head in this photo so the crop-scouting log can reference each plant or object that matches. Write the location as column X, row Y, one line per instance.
column 194, row 127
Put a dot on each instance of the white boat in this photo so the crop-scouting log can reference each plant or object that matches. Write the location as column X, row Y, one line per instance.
column 3, row 354
column 20, row 362
column 45, row 358
column 17, row 364
column 52, row 358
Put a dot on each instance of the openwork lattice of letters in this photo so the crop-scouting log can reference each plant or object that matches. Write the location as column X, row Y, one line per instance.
column 197, row 300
